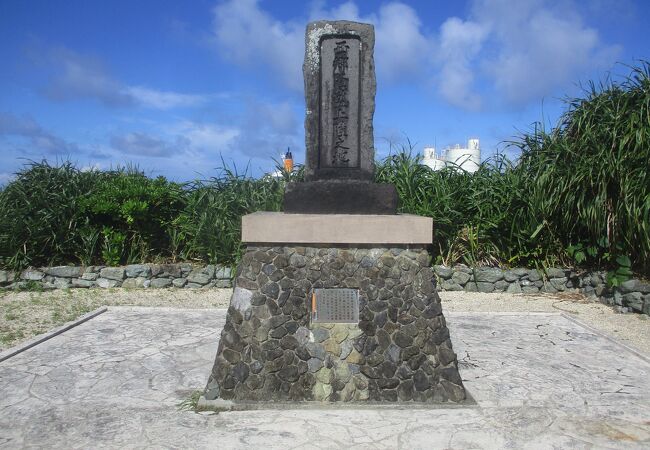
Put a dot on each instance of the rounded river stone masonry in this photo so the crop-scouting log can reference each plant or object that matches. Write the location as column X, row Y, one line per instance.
column 399, row 351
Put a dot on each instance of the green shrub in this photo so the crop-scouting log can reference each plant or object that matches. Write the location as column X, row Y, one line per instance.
column 41, row 216
column 134, row 213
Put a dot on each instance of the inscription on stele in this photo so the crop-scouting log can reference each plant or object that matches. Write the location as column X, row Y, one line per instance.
column 339, row 102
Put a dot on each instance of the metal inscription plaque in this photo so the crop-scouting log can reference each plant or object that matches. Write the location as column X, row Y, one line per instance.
column 339, row 102
column 335, row 305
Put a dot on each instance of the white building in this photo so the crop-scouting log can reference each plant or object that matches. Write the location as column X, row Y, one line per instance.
column 468, row 158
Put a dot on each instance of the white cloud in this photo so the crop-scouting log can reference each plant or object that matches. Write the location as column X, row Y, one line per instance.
column 402, row 48
column 524, row 50
column 247, row 35
column 516, row 51
column 203, row 137
column 143, row 144
column 78, row 76
column 164, row 100
column 268, row 129
column 460, row 42
column 39, row 138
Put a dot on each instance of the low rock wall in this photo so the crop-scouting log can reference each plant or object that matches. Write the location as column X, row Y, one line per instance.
column 181, row 275
column 630, row 296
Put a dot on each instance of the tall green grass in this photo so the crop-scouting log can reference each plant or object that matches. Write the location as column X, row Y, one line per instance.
column 590, row 176
column 486, row 217
column 210, row 225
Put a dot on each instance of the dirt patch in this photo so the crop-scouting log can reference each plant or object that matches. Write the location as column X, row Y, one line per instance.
column 26, row 314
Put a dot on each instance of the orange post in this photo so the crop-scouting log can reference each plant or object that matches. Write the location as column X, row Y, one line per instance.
column 288, row 162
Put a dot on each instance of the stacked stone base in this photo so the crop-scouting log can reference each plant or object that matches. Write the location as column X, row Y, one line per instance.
column 271, row 351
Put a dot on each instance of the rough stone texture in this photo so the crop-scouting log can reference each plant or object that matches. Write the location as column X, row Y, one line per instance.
column 331, row 196
column 138, row 270
column 318, row 32
column 630, row 296
column 134, row 276
column 399, row 350
column 340, row 103
column 31, row 275
column 64, row 271
column 112, row 273
column 160, row 283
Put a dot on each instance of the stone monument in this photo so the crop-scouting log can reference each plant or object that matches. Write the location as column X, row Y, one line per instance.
column 334, row 299
column 340, row 86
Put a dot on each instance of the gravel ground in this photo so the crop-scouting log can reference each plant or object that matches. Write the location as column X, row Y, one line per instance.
column 26, row 314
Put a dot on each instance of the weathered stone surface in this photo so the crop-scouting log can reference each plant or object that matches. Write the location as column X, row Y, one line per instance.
column 198, row 277
column 514, row 288
column 133, row 283
column 179, row 282
column 443, row 271
column 159, row 283
column 483, row 286
column 355, row 43
column 510, row 276
column 137, row 270
column 449, row 285
column 460, row 278
column 529, row 289
column 223, row 273
column 32, row 275
column 90, row 276
column 633, row 300
column 489, row 275
column 534, row 275
column 553, row 272
column 337, row 197
column 64, row 271
column 558, row 283
column 634, row 286
column 81, row 283
column 400, row 334
column 112, row 273
column 107, row 283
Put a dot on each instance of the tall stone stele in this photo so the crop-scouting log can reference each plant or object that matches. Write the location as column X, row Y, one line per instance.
column 334, row 299
column 339, row 71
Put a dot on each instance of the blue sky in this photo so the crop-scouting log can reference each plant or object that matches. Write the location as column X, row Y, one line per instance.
column 175, row 86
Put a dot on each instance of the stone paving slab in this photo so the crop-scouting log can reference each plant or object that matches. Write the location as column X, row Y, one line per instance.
column 540, row 381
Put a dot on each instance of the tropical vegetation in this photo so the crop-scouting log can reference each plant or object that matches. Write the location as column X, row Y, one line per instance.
column 579, row 194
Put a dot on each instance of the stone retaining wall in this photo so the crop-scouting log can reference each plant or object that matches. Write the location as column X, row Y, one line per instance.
column 630, row 296
column 181, row 275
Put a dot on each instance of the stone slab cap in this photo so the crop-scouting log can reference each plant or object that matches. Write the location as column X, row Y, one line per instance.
column 278, row 227
column 320, row 39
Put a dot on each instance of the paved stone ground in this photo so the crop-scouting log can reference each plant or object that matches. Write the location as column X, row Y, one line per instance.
column 540, row 381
